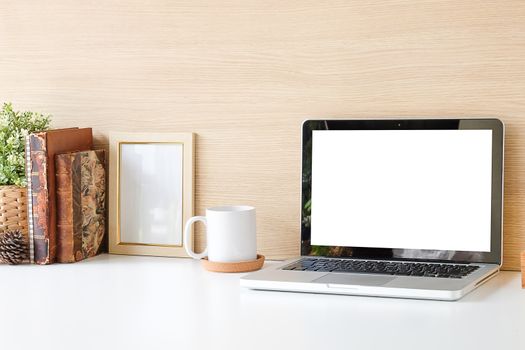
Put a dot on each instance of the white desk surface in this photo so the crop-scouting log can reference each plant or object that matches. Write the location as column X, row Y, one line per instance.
column 124, row 302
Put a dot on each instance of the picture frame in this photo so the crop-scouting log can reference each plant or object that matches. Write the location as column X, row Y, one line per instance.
column 151, row 192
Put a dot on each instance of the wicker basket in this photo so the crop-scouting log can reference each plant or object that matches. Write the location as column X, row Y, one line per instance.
column 13, row 208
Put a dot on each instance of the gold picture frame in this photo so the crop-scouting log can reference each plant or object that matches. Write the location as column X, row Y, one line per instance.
column 151, row 185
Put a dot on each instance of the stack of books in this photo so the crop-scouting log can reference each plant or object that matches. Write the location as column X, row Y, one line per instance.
column 66, row 195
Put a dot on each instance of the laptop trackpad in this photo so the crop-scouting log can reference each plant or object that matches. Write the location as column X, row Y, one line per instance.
column 354, row 279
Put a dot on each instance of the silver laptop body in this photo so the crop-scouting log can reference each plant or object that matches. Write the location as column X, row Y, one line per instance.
column 363, row 233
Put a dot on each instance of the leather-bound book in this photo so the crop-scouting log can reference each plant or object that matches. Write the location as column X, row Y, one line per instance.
column 81, row 209
column 43, row 147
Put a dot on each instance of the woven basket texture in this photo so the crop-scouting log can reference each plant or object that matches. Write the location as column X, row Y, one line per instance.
column 13, row 208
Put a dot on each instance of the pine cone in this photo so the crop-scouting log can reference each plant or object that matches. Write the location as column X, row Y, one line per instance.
column 13, row 247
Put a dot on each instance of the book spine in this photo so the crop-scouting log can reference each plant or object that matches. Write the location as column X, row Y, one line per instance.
column 29, row 200
column 93, row 188
column 80, row 193
column 64, row 195
column 39, row 197
column 77, row 172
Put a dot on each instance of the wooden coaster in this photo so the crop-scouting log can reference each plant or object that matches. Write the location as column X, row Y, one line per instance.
column 234, row 267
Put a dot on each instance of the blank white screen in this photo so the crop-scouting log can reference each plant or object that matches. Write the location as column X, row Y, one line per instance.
column 406, row 189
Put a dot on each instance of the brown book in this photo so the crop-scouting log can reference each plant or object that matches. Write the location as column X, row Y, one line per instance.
column 43, row 147
column 81, row 194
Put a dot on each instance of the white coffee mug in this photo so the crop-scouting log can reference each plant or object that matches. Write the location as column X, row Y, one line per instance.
column 230, row 234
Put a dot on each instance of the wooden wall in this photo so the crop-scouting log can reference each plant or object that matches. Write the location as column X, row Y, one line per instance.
column 243, row 74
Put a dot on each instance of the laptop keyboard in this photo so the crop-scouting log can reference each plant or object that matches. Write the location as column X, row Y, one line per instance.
column 382, row 267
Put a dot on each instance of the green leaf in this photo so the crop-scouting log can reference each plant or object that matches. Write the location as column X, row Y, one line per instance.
column 14, row 127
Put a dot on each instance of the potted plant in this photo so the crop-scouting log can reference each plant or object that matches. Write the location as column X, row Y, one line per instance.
column 14, row 127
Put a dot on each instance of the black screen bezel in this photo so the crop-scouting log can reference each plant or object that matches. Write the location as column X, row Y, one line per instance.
column 495, row 254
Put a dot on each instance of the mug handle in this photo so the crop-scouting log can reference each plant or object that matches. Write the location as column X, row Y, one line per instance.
column 187, row 237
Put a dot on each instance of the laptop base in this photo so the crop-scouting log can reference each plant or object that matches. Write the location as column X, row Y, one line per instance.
column 276, row 279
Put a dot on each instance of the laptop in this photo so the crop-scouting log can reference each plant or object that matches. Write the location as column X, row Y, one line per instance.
column 396, row 208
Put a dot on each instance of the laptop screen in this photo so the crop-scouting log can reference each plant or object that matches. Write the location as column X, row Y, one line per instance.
column 428, row 189
column 407, row 189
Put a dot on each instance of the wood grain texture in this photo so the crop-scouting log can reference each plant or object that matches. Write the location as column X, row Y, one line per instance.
column 243, row 74
column 523, row 269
